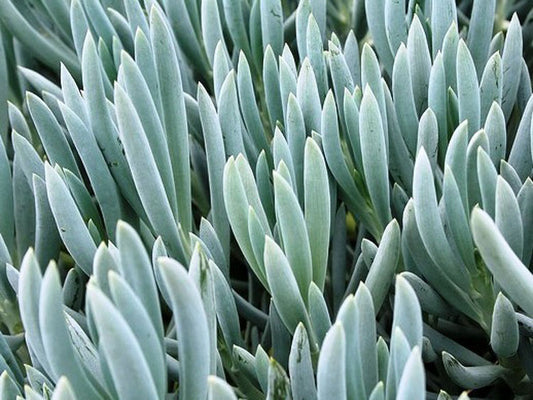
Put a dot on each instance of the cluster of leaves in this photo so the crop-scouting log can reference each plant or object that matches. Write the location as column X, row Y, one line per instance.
column 225, row 199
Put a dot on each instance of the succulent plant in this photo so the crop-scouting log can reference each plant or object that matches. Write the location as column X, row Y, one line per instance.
column 225, row 199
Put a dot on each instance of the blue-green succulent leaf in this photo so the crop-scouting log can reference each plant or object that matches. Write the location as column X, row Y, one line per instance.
column 331, row 377
column 500, row 259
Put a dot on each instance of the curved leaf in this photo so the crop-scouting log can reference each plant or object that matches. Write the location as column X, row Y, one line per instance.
column 500, row 259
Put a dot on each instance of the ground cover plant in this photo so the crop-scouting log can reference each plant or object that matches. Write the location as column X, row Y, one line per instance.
column 266, row 199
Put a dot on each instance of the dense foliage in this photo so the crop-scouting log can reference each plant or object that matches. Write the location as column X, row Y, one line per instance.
column 222, row 199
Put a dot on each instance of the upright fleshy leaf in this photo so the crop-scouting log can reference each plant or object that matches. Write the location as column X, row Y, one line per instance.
column 272, row 25
column 467, row 89
column 219, row 389
column 120, row 348
column 56, row 340
column 402, row 89
column 504, row 336
column 480, row 32
column 375, row 17
column 136, row 268
column 443, row 14
column 278, row 382
column 429, row 223
column 511, row 65
column 144, row 170
column 507, row 216
column 374, row 153
column 331, row 378
column 105, row 188
column 419, row 63
column 395, row 24
column 284, row 288
column 211, row 27
column 317, row 209
column 413, row 379
column 175, row 121
column 308, row 97
column 52, row 137
column 407, row 314
column 70, row 224
column 215, row 164
column 191, row 325
column 315, row 54
column 7, row 222
column 384, row 265
column 300, row 366
column 102, row 124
